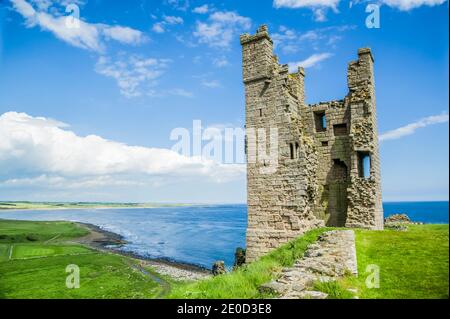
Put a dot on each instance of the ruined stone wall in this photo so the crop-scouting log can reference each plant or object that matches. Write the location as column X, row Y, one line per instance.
column 365, row 201
column 280, row 202
column 316, row 180
column 334, row 159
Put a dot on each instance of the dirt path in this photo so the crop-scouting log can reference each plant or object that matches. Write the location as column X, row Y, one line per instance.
column 165, row 285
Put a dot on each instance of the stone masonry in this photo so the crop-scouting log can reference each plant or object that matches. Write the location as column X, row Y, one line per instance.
column 328, row 167
column 333, row 256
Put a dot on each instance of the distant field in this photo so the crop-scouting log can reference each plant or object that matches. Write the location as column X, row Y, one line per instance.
column 24, row 231
column 67, row 205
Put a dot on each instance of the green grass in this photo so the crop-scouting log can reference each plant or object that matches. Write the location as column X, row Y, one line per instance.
column 23, row 251
column 334, row 289
column 413, row 264
column 101, row 276
column 244, row 282
column 37, row 267
column 24, row 231
column 4, row 252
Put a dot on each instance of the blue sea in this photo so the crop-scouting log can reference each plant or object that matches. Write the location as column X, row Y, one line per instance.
column 196, row 235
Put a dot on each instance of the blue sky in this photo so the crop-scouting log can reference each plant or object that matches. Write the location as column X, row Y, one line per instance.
column 86, row 113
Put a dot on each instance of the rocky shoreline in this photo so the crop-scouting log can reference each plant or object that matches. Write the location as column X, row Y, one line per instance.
column 104, row 240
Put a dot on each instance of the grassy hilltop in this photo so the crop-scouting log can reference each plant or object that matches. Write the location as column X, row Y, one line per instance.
column 34, row 255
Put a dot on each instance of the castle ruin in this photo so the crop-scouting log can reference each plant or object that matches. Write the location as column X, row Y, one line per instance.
column 328, row 169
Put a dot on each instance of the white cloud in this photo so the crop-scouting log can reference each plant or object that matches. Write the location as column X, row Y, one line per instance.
column 89, row 36
column 181, row 5
column 320, row 15
column 290, row 41
column 173, row 20
column 231, row 17
column 180, row 92
column 86, row 36
column 221, row 62
column 123, row 34
column 310, row 61
column 24, row 8
column 411, row 128
column 167, row 92
column 36, row 150
column 318, row 7
column 202, row 9
column 294, row 4
column 59, row 182
column 406, row 5
column 212, row 84
column 186, row 40
column 290, row 48
column 221, row 28
column 133, row 74
column 44, row 5
column 160, row 27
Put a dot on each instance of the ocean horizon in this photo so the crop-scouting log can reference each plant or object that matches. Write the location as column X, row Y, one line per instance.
column 197, row 235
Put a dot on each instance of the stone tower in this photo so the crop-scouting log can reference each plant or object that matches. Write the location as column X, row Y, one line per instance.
column 327, row 168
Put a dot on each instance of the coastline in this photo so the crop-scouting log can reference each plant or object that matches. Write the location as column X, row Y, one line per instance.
column 93, row 208
column 106, row 241
column 25, row 206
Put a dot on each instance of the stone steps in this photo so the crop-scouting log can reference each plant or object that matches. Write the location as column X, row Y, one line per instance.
column 331, row 257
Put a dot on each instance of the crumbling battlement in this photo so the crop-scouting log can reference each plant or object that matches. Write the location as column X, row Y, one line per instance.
column 328, row 169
